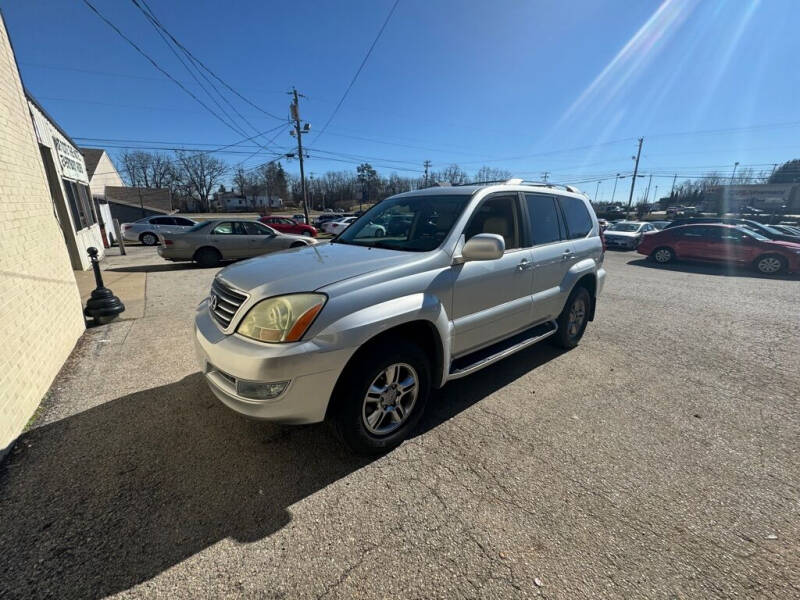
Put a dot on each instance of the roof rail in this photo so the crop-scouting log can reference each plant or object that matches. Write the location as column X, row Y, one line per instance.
column 520, row 181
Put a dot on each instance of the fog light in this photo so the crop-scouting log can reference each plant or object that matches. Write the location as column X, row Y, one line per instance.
column 260, row 391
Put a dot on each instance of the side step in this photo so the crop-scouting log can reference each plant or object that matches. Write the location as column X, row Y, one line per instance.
column 469, row 363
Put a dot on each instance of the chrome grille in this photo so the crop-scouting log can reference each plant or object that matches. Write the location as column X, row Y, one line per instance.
column 224, row 302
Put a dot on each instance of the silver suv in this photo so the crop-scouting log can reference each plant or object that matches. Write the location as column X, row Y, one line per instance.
column 360, row 330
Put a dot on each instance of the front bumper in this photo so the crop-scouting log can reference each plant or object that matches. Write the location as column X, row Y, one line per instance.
column 311, row 369
column 620, row 242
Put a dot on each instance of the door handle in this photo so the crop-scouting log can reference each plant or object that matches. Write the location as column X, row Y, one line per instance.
column 524, row 265
column 567, row 254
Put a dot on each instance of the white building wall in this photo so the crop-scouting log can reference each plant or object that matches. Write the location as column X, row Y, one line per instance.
column 105, row 174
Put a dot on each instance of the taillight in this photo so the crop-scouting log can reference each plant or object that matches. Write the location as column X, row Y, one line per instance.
column 126, row 226
column 167, row 242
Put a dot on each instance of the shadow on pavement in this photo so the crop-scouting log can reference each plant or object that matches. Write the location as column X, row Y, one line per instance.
column 181, row 266
column 703, row 268
column 108, row 498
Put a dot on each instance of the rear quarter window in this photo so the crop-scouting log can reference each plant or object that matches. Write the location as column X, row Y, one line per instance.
column 576, row 215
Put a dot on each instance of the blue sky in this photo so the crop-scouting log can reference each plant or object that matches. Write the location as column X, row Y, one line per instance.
column 564, row 87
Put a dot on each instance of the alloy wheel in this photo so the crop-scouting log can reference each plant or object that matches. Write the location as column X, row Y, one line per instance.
column 663, row 255
column 390, row 399
column 577, row 316
column 769, row 264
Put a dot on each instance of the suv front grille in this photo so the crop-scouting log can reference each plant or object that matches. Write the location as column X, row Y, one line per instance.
column 225, row 302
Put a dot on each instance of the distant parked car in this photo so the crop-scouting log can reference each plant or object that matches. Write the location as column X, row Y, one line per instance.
column 286, row 225
column 626, row 234
column 787, row 229
column 300, row 218
column 681, row 211
column 212, row 242
column 324, row 217
column 765, row 230
column 722, row 243
column 659, row 224
column 336, row 227
column 148, row 229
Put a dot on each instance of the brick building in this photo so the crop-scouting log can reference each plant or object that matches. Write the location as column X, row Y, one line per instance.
column 40, row 308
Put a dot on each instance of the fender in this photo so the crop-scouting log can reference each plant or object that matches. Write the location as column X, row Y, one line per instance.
column 357, row 328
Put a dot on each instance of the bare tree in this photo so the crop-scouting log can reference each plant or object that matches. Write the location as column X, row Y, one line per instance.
column 240, row 181
column 452, row 175
column 491, row 174
column 201, row 172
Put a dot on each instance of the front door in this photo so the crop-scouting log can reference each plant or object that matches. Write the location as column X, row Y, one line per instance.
column 260, row 238
column 229, row 240
column 730, row 245
column 692, row 242
column 491, row 299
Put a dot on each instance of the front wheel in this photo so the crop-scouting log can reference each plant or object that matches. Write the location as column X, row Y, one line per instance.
column 149, row 239
column 573, row 319
column 770, row 264
column 381, row 396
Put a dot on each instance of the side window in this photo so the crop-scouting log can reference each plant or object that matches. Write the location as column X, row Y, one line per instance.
column 692, row 232
column 543, row 212
column 579, row 223
column 183, row 222
column 225, row 228
column 499, row 215
column 254, row 228
column 161, row 221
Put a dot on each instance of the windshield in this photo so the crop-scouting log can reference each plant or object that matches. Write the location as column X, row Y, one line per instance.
column 628, row 227
column 414, row 224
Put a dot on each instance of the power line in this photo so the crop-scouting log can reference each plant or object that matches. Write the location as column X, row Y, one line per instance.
column 155, row 64
column 203, row 65
column 358, row 72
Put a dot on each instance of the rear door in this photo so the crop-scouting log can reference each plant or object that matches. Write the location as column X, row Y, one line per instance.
column 551, row 254
column 229, row 240
column 693, row 242
column 491, row 298
column 182, row 224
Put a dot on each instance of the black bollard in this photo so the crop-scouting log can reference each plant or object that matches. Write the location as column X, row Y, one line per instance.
column 103, row 306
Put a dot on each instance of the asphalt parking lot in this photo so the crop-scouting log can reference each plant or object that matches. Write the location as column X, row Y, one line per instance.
column 658, row 460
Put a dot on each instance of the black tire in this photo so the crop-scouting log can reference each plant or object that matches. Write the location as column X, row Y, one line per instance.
column 208, row 257
column 569, row 334
column 770, row 264
column 149, row 239
column 663, row 255
column 349, row 408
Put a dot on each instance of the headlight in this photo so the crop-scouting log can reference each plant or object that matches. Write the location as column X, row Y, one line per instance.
column 283, row 318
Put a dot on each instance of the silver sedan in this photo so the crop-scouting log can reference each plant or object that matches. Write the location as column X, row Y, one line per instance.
column 211, row 242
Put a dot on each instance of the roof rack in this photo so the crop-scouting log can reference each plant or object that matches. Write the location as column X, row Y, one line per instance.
column 519, row 181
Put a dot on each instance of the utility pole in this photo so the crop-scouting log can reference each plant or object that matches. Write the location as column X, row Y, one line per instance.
column 596, row 189
column 633, row 179
column 616, row 179
column 427, row 165
column 545, row 175
column 647, row 191
column 655, row 195
column 295, row 112
column 674, row 179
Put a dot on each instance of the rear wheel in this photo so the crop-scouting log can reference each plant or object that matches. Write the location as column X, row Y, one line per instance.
column 381, row 396
column 662, row 255
column 770, row 264
column 573, row 319
column 208, row 257
column 148, row 239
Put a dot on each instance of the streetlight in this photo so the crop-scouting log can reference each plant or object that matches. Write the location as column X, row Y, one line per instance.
column 616, row 179
column 596, row 189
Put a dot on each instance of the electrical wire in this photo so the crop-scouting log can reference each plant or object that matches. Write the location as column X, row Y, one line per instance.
column 358, row 72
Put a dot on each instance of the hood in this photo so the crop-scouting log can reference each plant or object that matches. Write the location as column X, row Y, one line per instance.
column 309, row 268
column 787, row 245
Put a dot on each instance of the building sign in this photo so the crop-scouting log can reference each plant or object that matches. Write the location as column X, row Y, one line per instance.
column 72, row 165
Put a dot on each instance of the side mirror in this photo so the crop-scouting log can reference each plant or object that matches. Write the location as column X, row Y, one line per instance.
column 484, row 246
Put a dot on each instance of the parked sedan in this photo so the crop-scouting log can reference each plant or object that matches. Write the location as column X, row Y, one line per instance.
column 286, row 225
column 766, row 230
column 722, row 243
column 148, row 229
column 626, row 234
column 212, row 242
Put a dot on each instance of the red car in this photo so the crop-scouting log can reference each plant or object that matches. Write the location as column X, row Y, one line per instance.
column 287, row 225
column 722, row 243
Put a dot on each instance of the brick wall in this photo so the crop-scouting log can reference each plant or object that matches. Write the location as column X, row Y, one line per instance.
column 40, row 309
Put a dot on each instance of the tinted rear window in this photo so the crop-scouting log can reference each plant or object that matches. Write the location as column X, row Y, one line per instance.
column 579, row 223
column 544, row 219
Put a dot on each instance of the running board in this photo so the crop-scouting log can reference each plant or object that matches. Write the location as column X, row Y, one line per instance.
column 469, row 363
